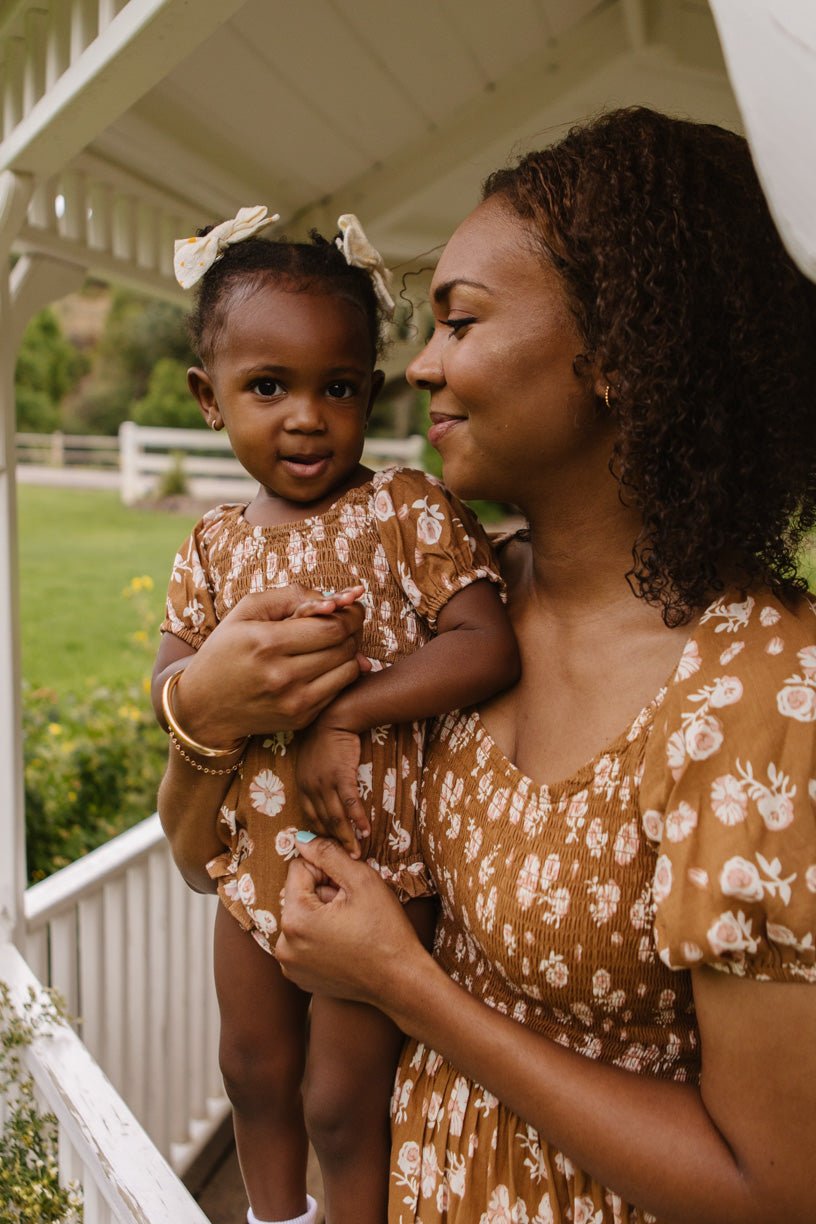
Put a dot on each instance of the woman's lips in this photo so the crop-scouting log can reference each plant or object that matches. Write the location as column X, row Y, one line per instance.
column 305, row 467
column 440, row 426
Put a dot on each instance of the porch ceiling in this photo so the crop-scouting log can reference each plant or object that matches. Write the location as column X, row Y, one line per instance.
column 394, row 111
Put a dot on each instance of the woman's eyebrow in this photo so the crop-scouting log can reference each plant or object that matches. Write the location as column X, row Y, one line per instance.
column 443, row 291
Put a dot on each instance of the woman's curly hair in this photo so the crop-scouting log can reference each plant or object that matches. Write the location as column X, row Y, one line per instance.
column 706, row 330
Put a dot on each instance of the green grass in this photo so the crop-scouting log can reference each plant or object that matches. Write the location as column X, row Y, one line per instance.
column 79, row 550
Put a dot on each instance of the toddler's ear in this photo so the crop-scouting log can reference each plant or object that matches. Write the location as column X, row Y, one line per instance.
column 202, row 390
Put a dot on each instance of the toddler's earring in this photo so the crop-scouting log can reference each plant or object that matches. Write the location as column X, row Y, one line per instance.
column 214, row 424
column 606, row 397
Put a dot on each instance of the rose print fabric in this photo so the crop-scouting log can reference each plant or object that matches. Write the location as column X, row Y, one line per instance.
column 413, row 546
column 579, row 908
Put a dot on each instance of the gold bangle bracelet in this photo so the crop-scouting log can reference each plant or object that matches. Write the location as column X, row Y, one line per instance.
column 181, row 736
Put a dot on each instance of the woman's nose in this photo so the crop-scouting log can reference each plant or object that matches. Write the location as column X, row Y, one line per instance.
column 425, row 371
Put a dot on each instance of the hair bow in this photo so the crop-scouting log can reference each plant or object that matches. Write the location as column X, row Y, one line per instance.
column 359, row 252
column 194, row 256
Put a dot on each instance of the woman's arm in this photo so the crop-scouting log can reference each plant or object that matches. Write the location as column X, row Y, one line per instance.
column 473, row 656
column 738, row 1150
column 258, row 671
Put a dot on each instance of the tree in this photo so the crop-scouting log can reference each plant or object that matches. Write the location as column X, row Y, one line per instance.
column 48, row 366
column 168, row 401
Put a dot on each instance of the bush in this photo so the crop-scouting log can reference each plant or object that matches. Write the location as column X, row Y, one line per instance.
column 29, row 1162
column 48, row 366
column 168, row 401
column 92, row 761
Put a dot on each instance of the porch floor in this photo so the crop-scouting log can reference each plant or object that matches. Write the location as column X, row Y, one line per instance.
column 223, row 1199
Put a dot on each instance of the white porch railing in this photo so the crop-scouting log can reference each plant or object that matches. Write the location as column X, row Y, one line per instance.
column 123, row 1178
column 129, row 947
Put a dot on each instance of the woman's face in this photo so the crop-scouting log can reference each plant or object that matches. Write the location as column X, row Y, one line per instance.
column 509, row 415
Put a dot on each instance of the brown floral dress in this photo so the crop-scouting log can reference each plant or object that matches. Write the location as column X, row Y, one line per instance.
column 413, row 546
column 579, row 909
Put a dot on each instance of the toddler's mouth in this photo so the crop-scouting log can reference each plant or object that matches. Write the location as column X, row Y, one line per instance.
column 305, row 466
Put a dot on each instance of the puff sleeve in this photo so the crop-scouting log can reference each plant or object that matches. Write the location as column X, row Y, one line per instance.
column 728, row 794
column 190, row 606
column 434, row 545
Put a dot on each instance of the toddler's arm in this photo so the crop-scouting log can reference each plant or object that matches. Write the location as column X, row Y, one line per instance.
column 473, row 656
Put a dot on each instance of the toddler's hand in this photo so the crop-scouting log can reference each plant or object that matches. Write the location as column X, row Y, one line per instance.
column 327, row 763
column 323, row 603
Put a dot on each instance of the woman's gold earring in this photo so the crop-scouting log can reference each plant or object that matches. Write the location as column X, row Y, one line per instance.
column 606, row 397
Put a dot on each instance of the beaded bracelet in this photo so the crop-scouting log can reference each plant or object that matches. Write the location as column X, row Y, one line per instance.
column 181, row 737
column 230, row 769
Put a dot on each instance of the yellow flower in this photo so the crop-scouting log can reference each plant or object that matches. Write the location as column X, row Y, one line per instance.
column 140, row 636
column 54, row 729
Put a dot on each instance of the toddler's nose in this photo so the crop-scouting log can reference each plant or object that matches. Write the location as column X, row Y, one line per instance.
column 305, row 414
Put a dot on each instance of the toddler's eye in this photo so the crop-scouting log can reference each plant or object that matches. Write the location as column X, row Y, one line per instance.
column 457, row 325
column 341, row 390
column 267, row 387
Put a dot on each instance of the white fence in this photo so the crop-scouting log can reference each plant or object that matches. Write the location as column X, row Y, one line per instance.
column 147, row 453
column 59, row 449
column 129, row 947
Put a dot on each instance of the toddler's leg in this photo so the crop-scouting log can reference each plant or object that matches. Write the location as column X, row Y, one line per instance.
column 352, row 1059
column 353, row 1053
column 262, row 1051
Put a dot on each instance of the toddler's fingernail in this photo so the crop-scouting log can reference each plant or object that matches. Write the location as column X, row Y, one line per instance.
column 305, row 835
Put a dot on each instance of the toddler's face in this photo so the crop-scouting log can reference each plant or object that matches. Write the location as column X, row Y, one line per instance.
column 292, row 382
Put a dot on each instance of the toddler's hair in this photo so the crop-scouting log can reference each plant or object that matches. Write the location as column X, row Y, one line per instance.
column 297, row 267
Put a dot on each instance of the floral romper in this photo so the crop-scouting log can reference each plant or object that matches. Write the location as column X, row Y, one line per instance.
column 579, row 908
column 413, row 546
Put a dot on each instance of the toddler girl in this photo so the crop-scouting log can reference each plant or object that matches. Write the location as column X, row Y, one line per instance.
column 287, row 336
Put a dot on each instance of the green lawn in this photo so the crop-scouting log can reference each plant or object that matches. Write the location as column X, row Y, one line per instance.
column 79, row 550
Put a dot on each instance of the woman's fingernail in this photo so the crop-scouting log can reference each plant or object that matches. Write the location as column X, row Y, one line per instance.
column 305, row 835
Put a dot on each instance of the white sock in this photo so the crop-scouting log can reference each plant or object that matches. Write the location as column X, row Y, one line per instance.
column 308, row 1217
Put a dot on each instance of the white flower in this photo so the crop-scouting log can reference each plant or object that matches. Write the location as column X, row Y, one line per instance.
column 652, row 822
column 775, row 646
column 797, row 701
column 703, row 737
column 285, row 843
column 698, row 876
column 457, row 1104
column 728, row 799
column 662, row 883
column 245, row 890
column 265, row 921
column 731, row 652
column 739, row 878
column 408, row 1159
column 769, row 616
column 583, row 1211
column 383, row 505
column 267, row 793
column 690, row 661
column 430, row 1170
column 626, row 843
column 680, row 822
column 429, row 523
column 730, row 933
column 807, row 661
column 389, row 794
column 727, row 691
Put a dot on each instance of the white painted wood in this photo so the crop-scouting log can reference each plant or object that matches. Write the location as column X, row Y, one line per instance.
column 121, row 1165
column 36, row 282
column 64, row 975
column 114, row 986
column 176, row 1060
column 135, row 50
column 158, row 1035
column 92, row 999
column 139, row 989
column 770, row 50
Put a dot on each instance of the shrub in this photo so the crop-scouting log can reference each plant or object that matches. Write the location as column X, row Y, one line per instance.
column 168, row 401
column 29, row 1162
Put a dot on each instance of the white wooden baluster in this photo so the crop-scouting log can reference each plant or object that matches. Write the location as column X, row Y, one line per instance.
column 147, row 251
column 74, row 222
column 140, row 989
column 159, row 937
column 115, row 1002
column 64, row 970
column 177, row 1066
column 36, row 953
column 34, row 73
column 100, row 221
column 83, row 26
column 197, row 986
column 91, row 978
column 58, row 43
column 13, row 86
column 125, row 224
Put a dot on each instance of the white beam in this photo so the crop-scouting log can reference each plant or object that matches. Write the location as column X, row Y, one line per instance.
column 15, row 192
column 36, row 281
column 142, row 44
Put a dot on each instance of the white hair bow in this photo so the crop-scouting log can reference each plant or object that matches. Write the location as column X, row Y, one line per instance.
column 194, row 256
column 359, row 252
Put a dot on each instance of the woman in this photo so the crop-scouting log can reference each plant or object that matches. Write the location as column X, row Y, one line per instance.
column 619, row 1019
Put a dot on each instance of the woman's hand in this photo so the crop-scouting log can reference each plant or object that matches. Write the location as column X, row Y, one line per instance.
column 359, row 945
column 263, row 670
